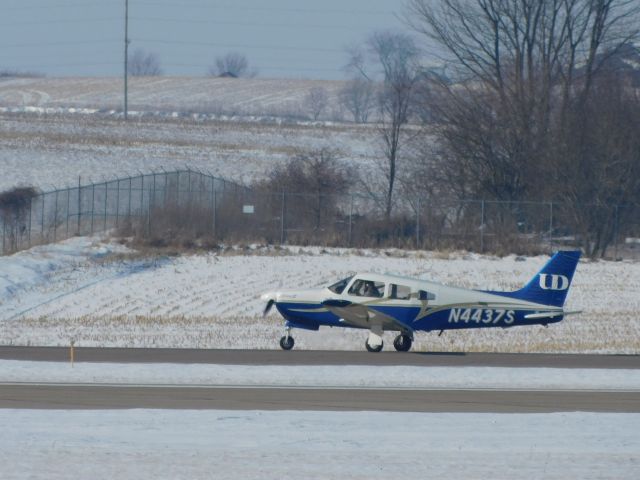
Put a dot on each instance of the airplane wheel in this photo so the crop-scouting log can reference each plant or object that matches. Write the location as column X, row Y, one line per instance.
column 286, row 343
column 377, row 348
column 402, row 343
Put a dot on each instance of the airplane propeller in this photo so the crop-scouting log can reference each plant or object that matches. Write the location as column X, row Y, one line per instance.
column 267, row 308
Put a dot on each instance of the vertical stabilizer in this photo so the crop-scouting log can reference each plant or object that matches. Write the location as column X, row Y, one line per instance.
column 551, row 284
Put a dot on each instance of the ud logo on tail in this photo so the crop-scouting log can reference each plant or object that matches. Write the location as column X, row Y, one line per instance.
column 558, row 282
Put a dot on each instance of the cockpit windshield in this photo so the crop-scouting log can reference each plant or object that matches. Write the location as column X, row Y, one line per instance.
column 338, row 287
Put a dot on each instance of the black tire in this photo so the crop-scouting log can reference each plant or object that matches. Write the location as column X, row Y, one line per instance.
column 402, row 343
column 373, row 349
column 286, row 343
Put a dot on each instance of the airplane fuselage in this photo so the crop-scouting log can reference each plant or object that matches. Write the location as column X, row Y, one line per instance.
column 442, row 307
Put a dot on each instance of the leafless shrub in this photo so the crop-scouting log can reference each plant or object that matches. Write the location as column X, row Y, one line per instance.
column 316, row 101
column 233, row 65
column 357, row 97
column 144, row 64
column 7, row 73
column 14, row 209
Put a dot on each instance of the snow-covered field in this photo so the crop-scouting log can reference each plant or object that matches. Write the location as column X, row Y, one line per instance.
column 206, row 95
column 52, row 151
column 54, row 130
column 101, row 294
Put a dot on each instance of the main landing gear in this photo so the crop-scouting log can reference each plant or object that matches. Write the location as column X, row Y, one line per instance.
column 373, row 348
column 286, row 342
column 402, row 343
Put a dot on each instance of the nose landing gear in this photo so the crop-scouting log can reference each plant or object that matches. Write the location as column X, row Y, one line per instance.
column 287, row 342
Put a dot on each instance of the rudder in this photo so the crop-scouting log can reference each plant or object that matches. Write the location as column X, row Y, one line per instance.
column 551, row 284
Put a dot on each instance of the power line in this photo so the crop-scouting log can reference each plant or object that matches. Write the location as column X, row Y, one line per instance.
column 267, row 9
column 74, row 20
column 47, row 44
column 49, row 5
column 231, row 45
column 242, row 24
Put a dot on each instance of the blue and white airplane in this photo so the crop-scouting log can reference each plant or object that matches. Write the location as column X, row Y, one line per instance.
column 381, row 303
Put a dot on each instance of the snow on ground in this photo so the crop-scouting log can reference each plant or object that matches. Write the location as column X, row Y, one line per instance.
column 322, row 376
column 49, row 151
column 100, row 294
column 316, row 445
column 231, row 96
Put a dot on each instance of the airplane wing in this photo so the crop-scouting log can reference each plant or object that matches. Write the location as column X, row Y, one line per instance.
column 362, row 315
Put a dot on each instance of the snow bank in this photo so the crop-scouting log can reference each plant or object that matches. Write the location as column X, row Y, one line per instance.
column 322, row 376
column 168, row 444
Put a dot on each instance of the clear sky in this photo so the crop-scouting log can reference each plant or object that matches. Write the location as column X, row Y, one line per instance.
column 282, row 38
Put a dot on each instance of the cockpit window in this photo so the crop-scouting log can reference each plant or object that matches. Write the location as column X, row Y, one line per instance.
column 367, row 288
column 338, row 287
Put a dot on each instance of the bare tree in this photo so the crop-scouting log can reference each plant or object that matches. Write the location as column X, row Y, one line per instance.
column 316, row 101
column 319, row 175
column 357, row 97
column 525, row 72
column 393, row 58
column 144, row 64
column 232, row 64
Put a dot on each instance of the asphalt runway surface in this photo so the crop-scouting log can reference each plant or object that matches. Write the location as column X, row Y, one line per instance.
column 93, row 396
column 319, row 357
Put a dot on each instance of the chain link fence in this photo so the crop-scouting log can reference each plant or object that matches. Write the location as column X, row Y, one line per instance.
column 192, row 206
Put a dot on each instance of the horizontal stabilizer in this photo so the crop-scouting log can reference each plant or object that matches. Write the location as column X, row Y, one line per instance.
column 535, row 316
column 552, row 314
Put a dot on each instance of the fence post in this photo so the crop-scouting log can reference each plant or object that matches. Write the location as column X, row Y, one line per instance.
column 141, row 195
column 79, row 205
column 117, row 203
column 130, row 195
column 68, row 208
column 44, row 198
column 178, row 189
column 482, row 227
column 213, row 210
column 4, row 234
column 350, row 221
column 29, row 230
column 551, row 225
column 615, row 234
column 282, row 219
column 55, row 218
column 106, row 193
column 93, row 205
column 418, row 225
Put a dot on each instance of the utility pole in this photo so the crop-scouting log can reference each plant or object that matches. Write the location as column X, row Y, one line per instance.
column 126, row 54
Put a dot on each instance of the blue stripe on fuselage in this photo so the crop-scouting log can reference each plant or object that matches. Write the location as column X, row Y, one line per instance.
column 438, row 320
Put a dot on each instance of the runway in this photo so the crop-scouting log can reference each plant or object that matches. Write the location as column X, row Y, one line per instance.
column 117, row 396
column 320, row 357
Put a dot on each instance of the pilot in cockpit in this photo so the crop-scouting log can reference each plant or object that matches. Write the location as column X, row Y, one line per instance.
column 370, row 290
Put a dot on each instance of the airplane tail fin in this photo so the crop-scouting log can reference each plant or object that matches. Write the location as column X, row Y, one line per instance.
column 551, row 284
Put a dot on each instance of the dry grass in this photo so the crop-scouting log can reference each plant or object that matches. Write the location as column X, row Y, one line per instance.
column 588, row 334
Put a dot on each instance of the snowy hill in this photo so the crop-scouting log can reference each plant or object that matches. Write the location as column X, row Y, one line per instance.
column 206, row 95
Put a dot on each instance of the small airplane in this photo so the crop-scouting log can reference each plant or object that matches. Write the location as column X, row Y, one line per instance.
column 381, row 303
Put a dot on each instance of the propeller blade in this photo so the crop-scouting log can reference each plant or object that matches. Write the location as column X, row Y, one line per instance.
column 267, row 308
